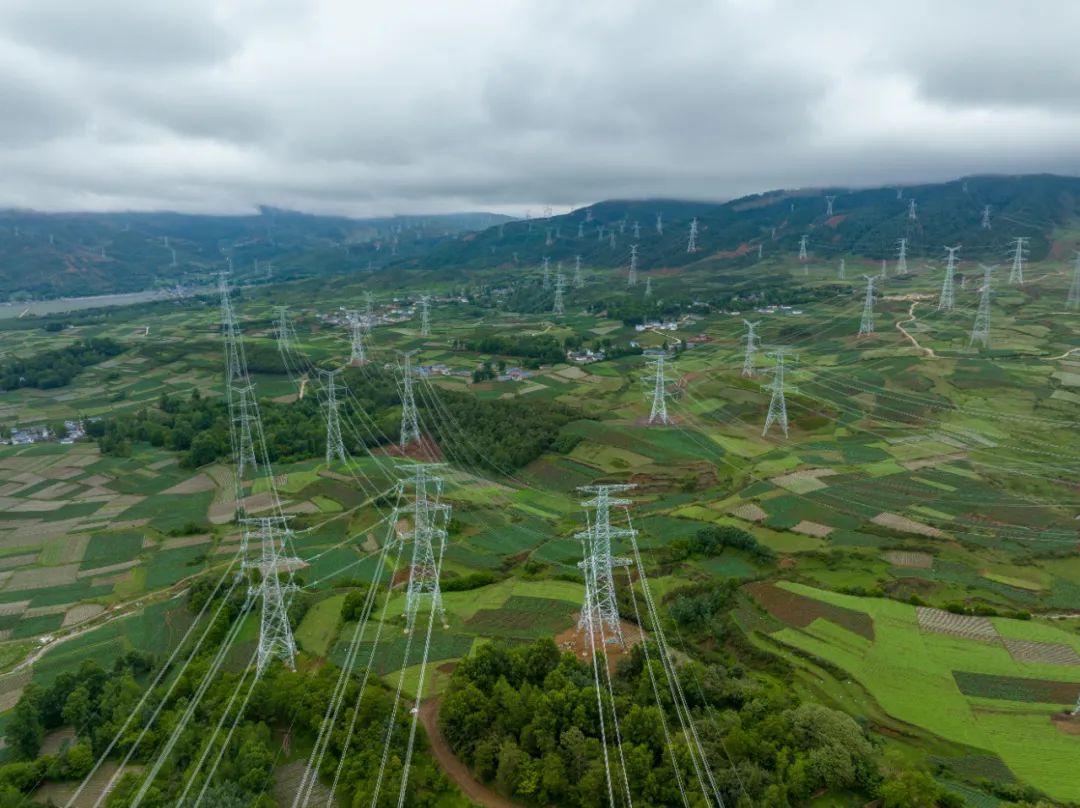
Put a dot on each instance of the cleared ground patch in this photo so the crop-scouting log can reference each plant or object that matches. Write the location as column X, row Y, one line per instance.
column 965, row 626
column 910, row 559
column 1042, row 652
column 902, row 524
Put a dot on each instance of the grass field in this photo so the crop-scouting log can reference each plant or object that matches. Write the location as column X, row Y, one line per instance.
column 913, row 675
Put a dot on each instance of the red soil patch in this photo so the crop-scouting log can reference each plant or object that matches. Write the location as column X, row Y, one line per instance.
column 663, row 272
column 425, row 450
column 1067, row 723
column 401, row 576
column 577, row 642
column 742, row 249
column 787, row 562
column 447, row 667
column 833, row 221
column 799, row 611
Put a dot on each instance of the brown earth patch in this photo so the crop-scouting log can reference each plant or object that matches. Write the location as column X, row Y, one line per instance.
column 193, row 485
column 808, row 528
column 750, row 511
column 577, row 642
column 800, row 611
column 1066, row 722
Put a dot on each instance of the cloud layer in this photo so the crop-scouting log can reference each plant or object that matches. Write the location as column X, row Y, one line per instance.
column 358, row 108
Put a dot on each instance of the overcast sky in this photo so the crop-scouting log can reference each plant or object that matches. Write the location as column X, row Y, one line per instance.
column 357, row 107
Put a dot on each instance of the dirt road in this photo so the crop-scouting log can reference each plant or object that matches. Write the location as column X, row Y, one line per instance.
column 912, row 318
column 454, row 768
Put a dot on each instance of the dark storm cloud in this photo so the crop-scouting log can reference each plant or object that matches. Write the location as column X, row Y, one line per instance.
column 333, row 105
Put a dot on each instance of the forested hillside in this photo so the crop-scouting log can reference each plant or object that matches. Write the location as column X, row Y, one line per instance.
column 51, row 255
column 865, row 223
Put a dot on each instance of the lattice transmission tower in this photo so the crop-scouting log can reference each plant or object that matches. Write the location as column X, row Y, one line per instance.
column 659, row 224
column 751, row 339
column 425, row 315
column 410, row 421
column 579, row 281
column 986, row 216
column 600, row 611
column 335, row 446
column 239, row 392
column 901, row 255
column 945, row 302
column 273, row 536
column 637, row 231
column 777, row 403
column 545, row 269
column 911, row 210
column 866, row 324
column 429, row 517
column 659, row 382
column 842, row 272
column 691, row 242
column 1016, row 273
column 980, row 332
column 357, row 323
column 802, row 247
column 648, row 288
column 631, row 277
column 560, row 281
column 829, row 205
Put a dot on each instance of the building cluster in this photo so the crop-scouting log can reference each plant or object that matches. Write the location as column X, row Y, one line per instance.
column 41, row 433
column 585, row 356
column 439, row 369
column 657, row 325
column 778, row 310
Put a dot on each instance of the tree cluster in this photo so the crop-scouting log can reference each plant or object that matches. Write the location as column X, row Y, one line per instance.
column 525, row 720
column 56, row 368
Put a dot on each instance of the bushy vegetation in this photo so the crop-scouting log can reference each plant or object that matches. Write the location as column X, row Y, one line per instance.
column 97, row 702
column 540, row 349
column 499, row 435
column 525, row 720
column 57, row 368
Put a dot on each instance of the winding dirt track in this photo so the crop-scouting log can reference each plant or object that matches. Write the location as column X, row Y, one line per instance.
column 454, row 768
column 911, row 337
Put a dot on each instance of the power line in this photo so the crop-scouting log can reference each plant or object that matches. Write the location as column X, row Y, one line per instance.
column 751, row 339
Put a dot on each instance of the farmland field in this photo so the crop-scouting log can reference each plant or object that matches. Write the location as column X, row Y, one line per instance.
column 906, row 553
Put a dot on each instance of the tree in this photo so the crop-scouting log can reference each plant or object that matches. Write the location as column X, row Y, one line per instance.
column 25, row 731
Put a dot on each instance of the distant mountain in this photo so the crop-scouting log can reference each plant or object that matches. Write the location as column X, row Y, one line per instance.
column 51, row 255
column 866, row 223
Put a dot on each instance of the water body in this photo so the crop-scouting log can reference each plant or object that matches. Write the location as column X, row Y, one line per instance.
column 62, row 305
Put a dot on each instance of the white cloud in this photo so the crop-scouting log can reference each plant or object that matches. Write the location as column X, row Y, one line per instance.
column 338, row 106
